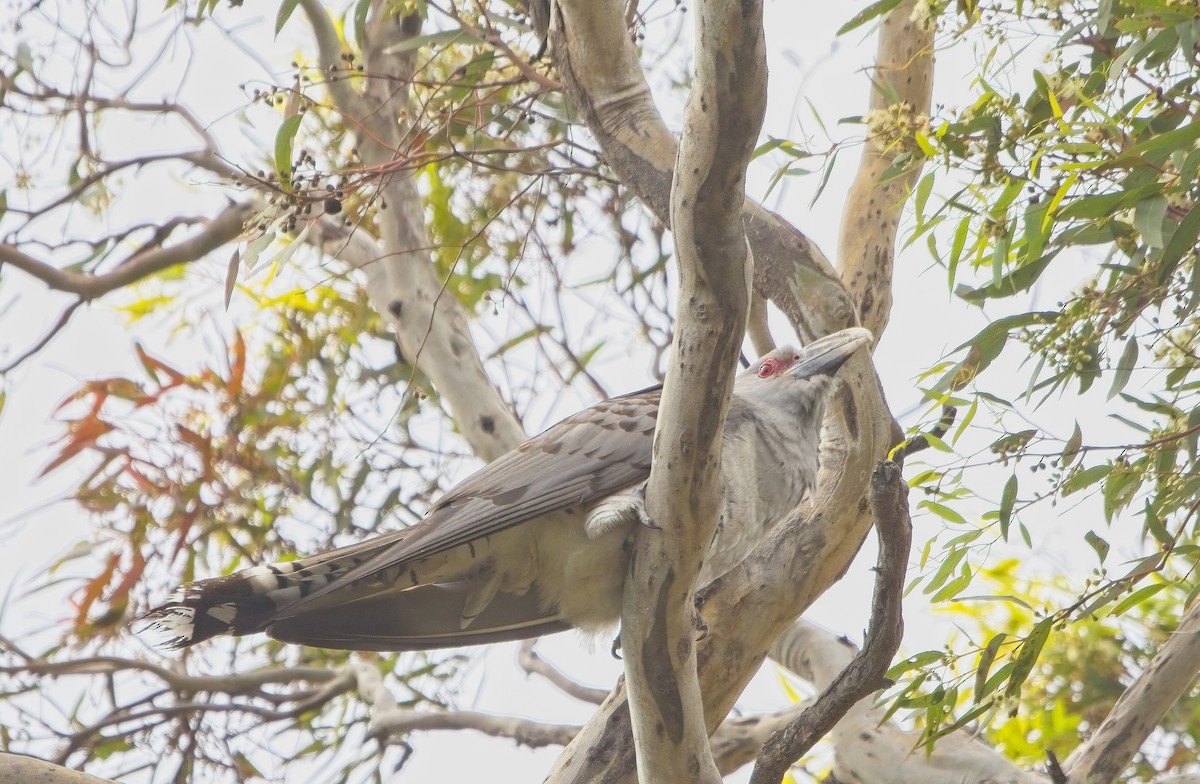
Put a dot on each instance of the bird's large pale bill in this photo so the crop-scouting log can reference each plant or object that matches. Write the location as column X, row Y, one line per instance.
column 826, row 355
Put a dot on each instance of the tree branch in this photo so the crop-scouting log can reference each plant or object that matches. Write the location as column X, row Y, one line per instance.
column 533, row 664
column 869, row 748
column 388, row 718
column 865, row 673
column 329, row 56
column 428, row 321
column 683, row 495
column 811, row 550
column 219, row 230
column 1104, row 755
column 738, row 740
column 63, row 319
column 903, row 72
column 233, row 683
column 28, row 770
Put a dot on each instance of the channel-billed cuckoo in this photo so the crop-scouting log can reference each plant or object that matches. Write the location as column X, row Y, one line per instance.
column 536, row 541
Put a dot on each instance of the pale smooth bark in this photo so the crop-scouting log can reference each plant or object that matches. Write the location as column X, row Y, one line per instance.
column 598, row 63
column 17, row 769
column 903, row 69
column 429, row 323
column 1170, row 673
column 683, row 496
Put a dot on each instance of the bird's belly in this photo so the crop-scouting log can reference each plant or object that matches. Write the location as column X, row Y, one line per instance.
column 581, row 575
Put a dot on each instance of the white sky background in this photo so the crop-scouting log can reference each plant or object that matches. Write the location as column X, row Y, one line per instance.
column 805, row 65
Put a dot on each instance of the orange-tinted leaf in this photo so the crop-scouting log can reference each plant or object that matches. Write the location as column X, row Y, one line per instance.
column 184, row 525
column 93, row 590
column 81, row 433
column 237, row 365
column 144, row 482
column 125, row 389
column 120, row 593
column 154, row 366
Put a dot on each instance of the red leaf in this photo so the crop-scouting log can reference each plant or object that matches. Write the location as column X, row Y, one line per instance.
column 154, row 366
column 237, row 365
column 81, row 434
column 93, row 590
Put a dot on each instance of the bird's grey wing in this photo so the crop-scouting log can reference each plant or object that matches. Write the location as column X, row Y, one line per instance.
column 582, row 459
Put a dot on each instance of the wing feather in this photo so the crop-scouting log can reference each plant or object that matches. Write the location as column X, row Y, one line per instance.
column 586, row 457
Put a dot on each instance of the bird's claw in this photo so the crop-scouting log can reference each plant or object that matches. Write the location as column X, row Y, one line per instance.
column 615, row 650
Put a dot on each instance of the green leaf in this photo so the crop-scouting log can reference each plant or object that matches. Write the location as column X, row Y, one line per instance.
column 1019, row 280
column 945, row 570
column 985, row 664
column 1192, row 442
column 1031, row 648
column 286, row 7
column 1137, row 597
column 1148, row 218
column 1125, row 366
column 867, row 14
column 283, row 149
column 955, row 586
column 254, row 248
column 915, row 662
column 1108, row 204
column 1071, row 451
column 921, row 195
column 1098, row 544
column 956, row 248
column 1008, row 499
column 987, row 345
column 942, row 511
column 231, row 271
column 1157, row 148
column 360, row 21
column 1085, row 478
column 445, row 37
column 1120, row 489
column 966, row 421
column 1182, row 240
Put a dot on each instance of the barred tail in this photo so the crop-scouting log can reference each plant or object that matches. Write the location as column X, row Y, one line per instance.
column 241, row 603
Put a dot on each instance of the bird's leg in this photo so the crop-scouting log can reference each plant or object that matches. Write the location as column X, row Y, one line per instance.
column 620, row 510
column 615, row 650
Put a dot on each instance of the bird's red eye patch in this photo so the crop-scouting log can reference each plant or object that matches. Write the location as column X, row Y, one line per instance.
column 768, row 368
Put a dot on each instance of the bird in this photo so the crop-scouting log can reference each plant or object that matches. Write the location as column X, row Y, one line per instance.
column 537, row 541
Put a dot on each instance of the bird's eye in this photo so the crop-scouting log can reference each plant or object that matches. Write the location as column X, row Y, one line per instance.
column 768, row 368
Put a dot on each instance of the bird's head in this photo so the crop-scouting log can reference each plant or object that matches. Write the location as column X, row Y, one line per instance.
column 790, row 373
